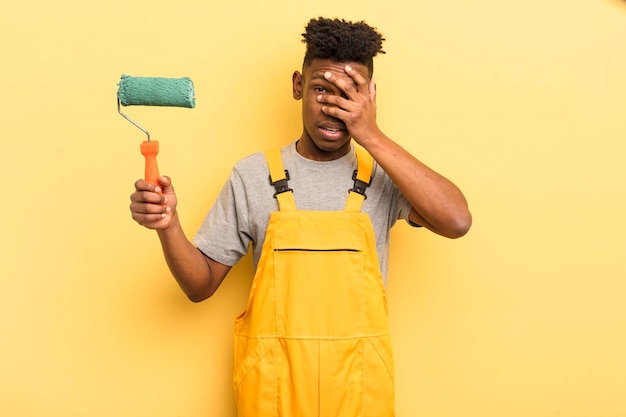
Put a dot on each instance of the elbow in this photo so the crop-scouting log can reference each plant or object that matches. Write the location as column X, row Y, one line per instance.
column 196, row 299
column 199, row 296
column 452, row 225
column 460, row 225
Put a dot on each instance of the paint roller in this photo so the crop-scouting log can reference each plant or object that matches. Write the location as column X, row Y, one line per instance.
column 153, row 91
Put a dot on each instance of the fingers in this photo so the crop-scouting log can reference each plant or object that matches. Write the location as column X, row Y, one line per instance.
column 353, row 101
column 356, row 92
column 149, row 207
column 143, row 185
column 352, row 85
column 358, row 79
column 166, row 185
column 372, row 88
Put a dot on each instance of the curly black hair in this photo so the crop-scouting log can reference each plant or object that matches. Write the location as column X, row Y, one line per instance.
column 342, row 41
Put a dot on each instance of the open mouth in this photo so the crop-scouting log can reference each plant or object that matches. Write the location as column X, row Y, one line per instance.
column 332, row 133
column 333, row 129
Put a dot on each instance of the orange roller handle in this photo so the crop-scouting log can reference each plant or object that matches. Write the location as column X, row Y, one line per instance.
column 150, row 150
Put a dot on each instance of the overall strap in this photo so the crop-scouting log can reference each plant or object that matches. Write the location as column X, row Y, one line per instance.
column 362, row 178
column 278, row 179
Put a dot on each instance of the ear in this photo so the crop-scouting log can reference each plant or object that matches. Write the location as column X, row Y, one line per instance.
column 296, row 81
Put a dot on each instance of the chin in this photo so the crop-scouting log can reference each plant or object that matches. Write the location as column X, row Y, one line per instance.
column 332, row 146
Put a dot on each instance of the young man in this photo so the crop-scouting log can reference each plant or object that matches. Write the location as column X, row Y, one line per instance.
column 313, row 339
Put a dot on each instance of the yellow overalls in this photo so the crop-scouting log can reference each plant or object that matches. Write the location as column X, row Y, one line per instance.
column 314, row 340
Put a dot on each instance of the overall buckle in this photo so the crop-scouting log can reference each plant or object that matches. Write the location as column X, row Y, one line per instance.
column 359, row 186
column 281, row 185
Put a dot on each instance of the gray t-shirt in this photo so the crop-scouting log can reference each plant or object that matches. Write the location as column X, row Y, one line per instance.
column 242, row 210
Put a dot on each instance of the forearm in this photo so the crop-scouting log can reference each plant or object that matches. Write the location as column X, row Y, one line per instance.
column 187, row 264
column 438, row 204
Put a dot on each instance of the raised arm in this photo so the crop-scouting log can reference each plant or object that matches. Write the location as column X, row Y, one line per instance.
column 437, row 203
column 198, row 275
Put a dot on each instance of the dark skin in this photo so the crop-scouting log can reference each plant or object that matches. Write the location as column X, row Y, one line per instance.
column 324, row 137
column 338, row 104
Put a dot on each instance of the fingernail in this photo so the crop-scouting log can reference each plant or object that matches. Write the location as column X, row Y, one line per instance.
column 348, row 68
column 327, row 74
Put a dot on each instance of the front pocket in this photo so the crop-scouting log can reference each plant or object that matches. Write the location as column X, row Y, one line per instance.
column 378, row 377
column 255, row 377
column 319, row 293
column 340, row 239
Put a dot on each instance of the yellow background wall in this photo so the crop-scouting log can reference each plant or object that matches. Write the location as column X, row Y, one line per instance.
column 522, row 104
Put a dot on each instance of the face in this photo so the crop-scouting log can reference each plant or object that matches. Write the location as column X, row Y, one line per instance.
column 324, row 137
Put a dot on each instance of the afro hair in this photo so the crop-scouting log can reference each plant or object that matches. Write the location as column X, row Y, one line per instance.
column 342, row 41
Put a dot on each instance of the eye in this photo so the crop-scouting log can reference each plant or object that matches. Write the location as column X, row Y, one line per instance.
column 319, row 89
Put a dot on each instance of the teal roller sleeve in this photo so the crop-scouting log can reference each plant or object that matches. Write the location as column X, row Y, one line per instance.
column 156, row 91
